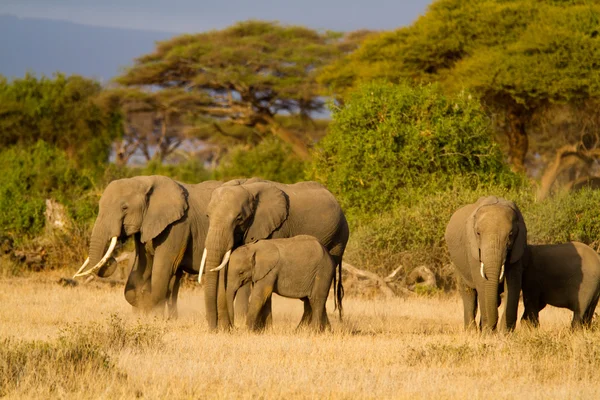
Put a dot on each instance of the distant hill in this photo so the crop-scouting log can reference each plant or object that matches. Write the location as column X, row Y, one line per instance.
column 46, row 46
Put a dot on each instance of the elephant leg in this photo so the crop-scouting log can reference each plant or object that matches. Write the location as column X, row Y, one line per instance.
column 307, row 315
column 512, row 291
column 242, row 299
column 173, row 294
column 532, row 309
column 577, row 322
column 469, row 298
column 260, row 295
column 317, row 320
column 265, row 317
column 589, row 312
column 166, row 262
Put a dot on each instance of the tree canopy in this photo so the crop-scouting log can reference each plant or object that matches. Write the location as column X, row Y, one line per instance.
column 247, row 73
column 389, row 140
column 61, row 111
column 517, row 56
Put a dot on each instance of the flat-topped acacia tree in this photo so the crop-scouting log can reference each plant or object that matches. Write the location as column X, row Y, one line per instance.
column 517, row 56
column 248, row 73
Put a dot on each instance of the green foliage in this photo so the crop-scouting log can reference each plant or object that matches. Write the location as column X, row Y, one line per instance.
column 518, row 57
column 61, row 111
column 566, row 217
column 29, row 176
column 271, row 159
column 525, row 50
column 389, row 141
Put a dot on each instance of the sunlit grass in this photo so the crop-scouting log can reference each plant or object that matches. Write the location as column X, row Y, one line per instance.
column 85, row 342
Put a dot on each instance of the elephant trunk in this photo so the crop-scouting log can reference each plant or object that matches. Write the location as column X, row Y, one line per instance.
column 232, row 289
column 492, row 259
column 101, row 235
column 218, row 243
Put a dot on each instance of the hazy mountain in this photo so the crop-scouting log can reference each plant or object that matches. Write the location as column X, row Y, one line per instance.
column 45, row 46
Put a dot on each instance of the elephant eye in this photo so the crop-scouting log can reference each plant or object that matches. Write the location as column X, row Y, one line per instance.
column 239, row 218
column 124, row 207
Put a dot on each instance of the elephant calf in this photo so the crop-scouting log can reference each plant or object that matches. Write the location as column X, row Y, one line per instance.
column 298, row 267
column 563, row 275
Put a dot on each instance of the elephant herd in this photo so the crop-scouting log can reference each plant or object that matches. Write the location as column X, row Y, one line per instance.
column 181, row 228
column 250, row 238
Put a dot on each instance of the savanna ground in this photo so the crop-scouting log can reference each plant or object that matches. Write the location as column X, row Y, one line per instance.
column 85, row 342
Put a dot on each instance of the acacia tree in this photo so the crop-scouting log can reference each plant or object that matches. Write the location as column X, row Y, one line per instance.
column 248, row 74
column 518, row 56
column 153, row 122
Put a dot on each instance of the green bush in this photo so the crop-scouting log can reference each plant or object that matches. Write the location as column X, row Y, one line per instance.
column 30, row 175
column 566, row 217
column 389, row 140
column 271, row 159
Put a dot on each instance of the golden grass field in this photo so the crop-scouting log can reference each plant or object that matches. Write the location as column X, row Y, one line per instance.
column 85, row 342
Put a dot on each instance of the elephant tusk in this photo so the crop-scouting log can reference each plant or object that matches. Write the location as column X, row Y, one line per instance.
column 202, row 263
column 111, row 247
column 482, row 272
column 85, row 263
column 223, row 263
column 501, row 273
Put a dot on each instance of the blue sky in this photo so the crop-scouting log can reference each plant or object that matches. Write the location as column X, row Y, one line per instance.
column 200, row 15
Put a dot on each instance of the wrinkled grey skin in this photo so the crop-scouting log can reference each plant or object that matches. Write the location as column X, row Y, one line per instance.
column 563, row 275
column 491, row 231
column 298, row 267
column 242, row 212
column 168, row 222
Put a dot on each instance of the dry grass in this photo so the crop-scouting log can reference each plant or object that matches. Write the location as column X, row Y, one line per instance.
column 85, row 342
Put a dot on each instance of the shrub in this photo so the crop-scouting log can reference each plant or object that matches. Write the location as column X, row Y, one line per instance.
column 58, row 366
column 30, row 175
column 388, row 140
column 271, row 159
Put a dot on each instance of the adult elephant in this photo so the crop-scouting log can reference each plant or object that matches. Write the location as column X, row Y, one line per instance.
column 244, row 211
column 168, row 222
column 486, row 241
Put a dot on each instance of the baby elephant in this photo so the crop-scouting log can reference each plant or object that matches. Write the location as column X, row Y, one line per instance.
column 563, row 275
column 298, row 267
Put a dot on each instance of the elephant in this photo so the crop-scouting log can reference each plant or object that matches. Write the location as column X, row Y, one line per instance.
column 298, row 267
column 168, row 222
column 486, row 241
column 563, row 275
column 245, row 211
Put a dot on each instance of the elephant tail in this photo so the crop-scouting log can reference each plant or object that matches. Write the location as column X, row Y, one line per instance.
column 339, row 291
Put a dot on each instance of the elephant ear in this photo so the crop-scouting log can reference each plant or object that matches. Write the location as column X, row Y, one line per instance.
column 166, row 202
column 520, row 242
column 271, row 210
column 471, row 220
column 263, row 261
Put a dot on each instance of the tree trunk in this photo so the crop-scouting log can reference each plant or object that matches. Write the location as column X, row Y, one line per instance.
column 517, row 140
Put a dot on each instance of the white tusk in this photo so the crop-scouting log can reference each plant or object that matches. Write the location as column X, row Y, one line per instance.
column 482, row 272
column 111, row 247
column 223, row 263
column 202, row 263
column 501, row 274
column 85, row 263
